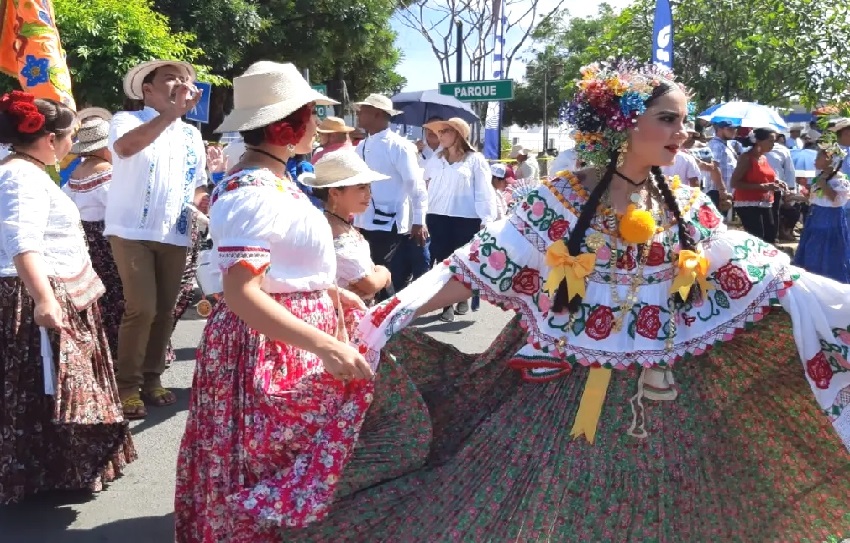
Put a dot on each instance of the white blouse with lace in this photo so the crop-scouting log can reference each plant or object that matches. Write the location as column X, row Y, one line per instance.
column 841, row 185
column 353, row 259
column 36, row 216
column 269, row 225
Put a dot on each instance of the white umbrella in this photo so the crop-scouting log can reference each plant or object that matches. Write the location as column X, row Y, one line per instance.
column 745, row 114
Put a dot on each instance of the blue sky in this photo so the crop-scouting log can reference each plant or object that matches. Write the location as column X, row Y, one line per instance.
column 423, row 71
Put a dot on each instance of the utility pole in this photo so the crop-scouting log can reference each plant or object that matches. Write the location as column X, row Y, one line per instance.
column 545, row 108
column 459, row 55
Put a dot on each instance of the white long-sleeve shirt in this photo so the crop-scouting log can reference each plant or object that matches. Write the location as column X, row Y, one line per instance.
column 462, row 189
column 402, row 200
column 779, row 159
column 150, row 190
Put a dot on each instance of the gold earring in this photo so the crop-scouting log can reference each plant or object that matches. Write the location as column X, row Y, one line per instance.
column 621, row 155
column 56, row 163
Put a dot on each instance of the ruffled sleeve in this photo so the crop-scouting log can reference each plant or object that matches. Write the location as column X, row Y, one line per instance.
column 245, row 222
column 353, row 259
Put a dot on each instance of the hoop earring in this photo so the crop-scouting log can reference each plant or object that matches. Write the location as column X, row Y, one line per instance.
column 621, row 155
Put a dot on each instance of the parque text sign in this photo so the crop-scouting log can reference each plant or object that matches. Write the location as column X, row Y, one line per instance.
column 480, row 91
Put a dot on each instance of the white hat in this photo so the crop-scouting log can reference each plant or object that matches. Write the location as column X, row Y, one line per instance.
column 98, row 112
column 378, row 101
column 518, row 150
column 498, row 170
column 840, row 125
column 342, row 168
column 268, row 92
column 93, row 135
column 137, row 74
column 456, row 123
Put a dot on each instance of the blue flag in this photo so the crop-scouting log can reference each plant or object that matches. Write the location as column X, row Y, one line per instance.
column 662, row 34
column 493, row 120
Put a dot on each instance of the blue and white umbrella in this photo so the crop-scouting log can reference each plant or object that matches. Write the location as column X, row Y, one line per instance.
column 745, row 114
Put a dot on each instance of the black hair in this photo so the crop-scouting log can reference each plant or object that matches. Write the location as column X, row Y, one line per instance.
column 763, row 134
column 59, row 119
column 322, row 194
column 565, row 300
column 150, row 77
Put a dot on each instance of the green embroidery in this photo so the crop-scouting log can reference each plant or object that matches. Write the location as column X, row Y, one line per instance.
column 756, row 272
column 545, row 220
column 721, row 299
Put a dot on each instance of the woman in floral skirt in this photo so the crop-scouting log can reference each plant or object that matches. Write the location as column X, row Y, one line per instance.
column 61, row 425
column 88, row 186
column 616, row 267
column 277, row 398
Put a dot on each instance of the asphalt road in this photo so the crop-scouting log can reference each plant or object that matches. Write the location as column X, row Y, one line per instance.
column 138, row 507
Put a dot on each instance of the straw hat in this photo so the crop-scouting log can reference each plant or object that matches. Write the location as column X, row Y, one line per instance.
column 342, row 168
column 518, row 150
column 93, row 135
column 459, row 125
column 334, row 125
column 137, row 74
column 840, row 125
column 268, row 92
column 378, row 101
column 98, row 112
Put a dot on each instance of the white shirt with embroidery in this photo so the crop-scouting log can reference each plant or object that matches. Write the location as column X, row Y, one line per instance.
column 402, row 200
column 353, row 259
column 36, row 216
column 269, row 225
column 90, row 194
column 151, row 188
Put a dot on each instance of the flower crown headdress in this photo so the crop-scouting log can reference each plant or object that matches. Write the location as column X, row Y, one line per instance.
column 834, row 153
column 610, row 98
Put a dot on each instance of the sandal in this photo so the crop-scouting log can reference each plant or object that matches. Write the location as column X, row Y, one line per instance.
column 133, row 407
column 159, row 396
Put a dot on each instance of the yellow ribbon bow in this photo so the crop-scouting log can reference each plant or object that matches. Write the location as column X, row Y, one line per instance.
column 693, row 268
column 564, row 266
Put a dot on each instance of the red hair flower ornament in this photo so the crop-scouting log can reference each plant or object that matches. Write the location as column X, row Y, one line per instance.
column 21, row 106
column 290, row 130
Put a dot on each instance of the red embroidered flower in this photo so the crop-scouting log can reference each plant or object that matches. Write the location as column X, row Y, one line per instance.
column 819, row 370
column 382, row 312
column 627, row 260
column 599, row 323
column 656, row 255
column 734, row 281
column 649, row 321
column 527, row 281
column 707, row 217
column 559, row 229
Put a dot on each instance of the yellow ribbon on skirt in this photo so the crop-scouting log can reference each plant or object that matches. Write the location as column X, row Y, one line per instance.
column 590, row 407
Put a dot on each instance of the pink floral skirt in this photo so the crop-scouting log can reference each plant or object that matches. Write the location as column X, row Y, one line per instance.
column 269, row 431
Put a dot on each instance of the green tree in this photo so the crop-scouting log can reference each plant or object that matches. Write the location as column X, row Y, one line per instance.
column 103, row 39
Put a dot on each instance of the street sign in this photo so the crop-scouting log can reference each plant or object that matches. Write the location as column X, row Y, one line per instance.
column 480, row 91
column 201, row 112
column 323, row 111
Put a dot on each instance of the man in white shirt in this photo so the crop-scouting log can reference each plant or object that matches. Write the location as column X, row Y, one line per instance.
column 159, row 169
column 394, row 222
column 526, row 169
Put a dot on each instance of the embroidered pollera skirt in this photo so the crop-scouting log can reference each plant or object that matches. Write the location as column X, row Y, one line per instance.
column 743, row 454
column 75, row 439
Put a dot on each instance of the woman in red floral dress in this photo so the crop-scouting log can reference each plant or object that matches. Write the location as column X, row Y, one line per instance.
column 277, row 399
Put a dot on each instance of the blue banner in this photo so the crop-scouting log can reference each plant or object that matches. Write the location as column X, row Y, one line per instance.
column 493, row 119
column 662, row 34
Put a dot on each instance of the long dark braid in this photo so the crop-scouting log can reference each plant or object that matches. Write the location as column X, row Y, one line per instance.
column 685, row 239
column 563, row 299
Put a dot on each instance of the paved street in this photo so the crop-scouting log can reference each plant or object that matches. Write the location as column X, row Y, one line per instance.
column 138, row 507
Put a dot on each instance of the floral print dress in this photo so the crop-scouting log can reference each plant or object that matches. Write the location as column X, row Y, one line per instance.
column 269, row 431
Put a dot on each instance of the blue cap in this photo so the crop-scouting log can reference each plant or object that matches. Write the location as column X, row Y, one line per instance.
column 724, row 124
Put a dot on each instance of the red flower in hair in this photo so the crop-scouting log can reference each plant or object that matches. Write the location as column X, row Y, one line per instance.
column 291, row 129
column 31, row 123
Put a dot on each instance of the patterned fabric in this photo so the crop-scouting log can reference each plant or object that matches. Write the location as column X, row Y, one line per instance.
column 76, row 439
column 269, row 431
column 506, row 263
column 742, row 455
column 112, row 302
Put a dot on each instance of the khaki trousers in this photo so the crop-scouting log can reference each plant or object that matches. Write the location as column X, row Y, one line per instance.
column 151, row 274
